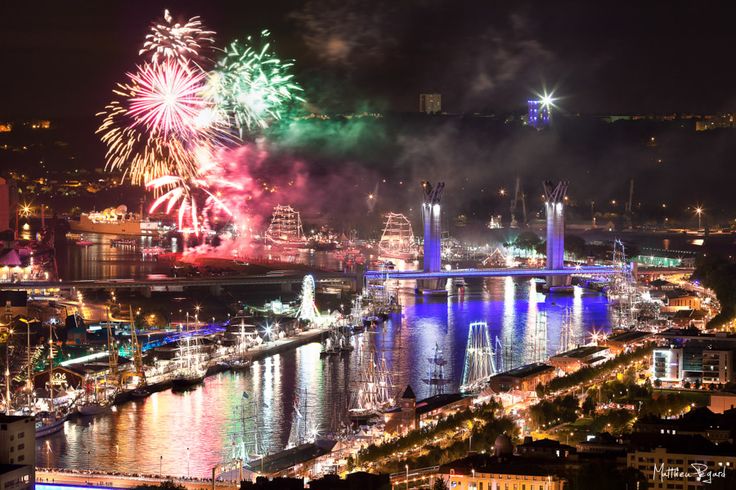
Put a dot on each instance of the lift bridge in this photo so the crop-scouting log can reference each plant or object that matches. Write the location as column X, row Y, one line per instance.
column 555, row 271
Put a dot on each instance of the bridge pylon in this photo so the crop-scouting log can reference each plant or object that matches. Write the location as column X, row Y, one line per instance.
column 432, row 223
column 554, row 204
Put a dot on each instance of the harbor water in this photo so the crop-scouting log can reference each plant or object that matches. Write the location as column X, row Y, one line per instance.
column 255, row 411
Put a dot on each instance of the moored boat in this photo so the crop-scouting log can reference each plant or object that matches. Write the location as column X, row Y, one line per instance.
column 49, row 423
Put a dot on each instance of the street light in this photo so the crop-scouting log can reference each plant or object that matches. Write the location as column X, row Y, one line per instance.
column 160, row 466
column 187, row 462
column 407, row 476
column 699, row 212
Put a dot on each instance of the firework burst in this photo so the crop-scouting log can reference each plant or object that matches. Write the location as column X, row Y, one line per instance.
column 165, row 98
column 157, row 120
column 181, row 43
column 252, row 86
column 171, row 124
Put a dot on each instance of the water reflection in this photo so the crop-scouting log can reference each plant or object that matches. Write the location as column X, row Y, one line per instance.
column 213, row 419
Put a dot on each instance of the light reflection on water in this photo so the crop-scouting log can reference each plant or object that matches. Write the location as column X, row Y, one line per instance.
column 208, row 421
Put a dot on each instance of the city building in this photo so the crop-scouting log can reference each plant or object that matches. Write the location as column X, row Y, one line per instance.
column 679, row 461
column 537, row 114
column 721, row 402
column 524, row 378
column 502, row 471
column 695, row 362
column 717, row 366
column 626, row 341
column 543, row 448
column 667, row 364
column 714, row 122
column 411, row 414
column 437, row 407
column 701, row 421
column 601, row 444
column 575, row 359
column 402, row 418
column 430, row 103
column 17, row 452
column 689, row 318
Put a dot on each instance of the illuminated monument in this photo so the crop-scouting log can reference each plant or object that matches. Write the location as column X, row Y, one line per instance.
column 554, row 201
column 431, row 214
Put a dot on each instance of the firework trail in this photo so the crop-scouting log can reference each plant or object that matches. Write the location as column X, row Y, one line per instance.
column 182, row 43
column 251, row 86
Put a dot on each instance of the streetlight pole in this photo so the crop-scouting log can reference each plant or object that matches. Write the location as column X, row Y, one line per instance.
column 187, row 462
column 160, row 466
column 407, row 476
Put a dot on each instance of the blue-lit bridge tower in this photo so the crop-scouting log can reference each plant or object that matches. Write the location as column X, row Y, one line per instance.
column 431, row 219
column 554, row 203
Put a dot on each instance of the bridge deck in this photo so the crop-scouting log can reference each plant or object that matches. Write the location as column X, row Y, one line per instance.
column 499, row 272
column 254, row 280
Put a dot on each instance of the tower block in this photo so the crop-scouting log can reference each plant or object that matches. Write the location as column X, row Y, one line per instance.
column 554, row 203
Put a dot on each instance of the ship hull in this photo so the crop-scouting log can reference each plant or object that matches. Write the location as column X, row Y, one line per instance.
column 50, row 428
column 186, row 382
column 127, row 228
column 89, row 409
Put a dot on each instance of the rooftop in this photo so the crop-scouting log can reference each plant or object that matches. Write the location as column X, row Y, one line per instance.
column 582, row 352
column 437, row 401
column 482, row 463
column 526, row 370
column 679, row 444
column 283, row 460
column 630, row 336
column 8, row 419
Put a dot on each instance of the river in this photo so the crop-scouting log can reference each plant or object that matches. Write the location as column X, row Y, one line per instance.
column 190, row 432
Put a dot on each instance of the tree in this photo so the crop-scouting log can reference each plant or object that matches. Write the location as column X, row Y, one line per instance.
column 575, row 246
column 589, row 405
column 440, row 484
column 527, row 240
column 540, row 390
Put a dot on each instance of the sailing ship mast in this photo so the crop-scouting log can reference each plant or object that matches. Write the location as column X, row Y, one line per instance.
column 436, row 375
column 397, row 239
column 286, row 225
column 51, row 367
column 137, row 354
column 112, row 349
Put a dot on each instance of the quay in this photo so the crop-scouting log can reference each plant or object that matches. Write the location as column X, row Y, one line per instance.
column 253, row 354
column 56, row 479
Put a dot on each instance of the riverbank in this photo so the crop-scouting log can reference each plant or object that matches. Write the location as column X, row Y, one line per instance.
column 257, row 353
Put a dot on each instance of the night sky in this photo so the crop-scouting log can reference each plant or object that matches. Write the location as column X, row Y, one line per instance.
column 62, row 58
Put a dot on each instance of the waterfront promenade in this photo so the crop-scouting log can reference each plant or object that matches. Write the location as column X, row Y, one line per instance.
column 51, row 479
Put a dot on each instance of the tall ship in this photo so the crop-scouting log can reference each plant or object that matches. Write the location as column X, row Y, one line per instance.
column 480, row 359
column 436, row 373
column 374, row 391
column 397, row 239
column 191, row 367
column 115, row 221
column 286, row 227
